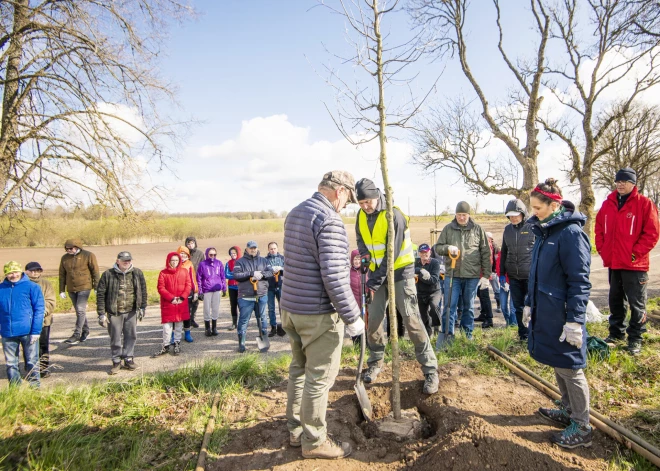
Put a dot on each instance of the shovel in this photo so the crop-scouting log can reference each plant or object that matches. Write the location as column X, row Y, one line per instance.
column 263, row 343
column 280, row 329
column 445, row 338
column 360, row 391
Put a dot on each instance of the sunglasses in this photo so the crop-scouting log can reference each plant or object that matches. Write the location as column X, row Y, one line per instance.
column 66, row 249
column 212, row 255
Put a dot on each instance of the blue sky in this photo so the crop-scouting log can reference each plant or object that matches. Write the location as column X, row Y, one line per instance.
column 252, row 74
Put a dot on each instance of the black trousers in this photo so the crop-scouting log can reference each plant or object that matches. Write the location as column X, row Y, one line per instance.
column 429, row 309
column 44, row 340
column 486, row 306
column 518, row 290
column 233, row 302
column 628, row 288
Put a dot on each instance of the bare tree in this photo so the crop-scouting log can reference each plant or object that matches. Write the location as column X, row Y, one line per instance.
column 80, row 94
column 514, row 124
column 595, row 61
column 632, row 140
column 644, row 15
column 364, row 114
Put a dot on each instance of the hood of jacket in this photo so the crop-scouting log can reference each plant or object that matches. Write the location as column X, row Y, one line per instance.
column 239, row 253
column 190, row 238
column 130, row 269
column 354, row 253
column 519, row 206
column 24, row 278
column 75, row 242
column 206, row 254
column 183, row 248
column 168, row 268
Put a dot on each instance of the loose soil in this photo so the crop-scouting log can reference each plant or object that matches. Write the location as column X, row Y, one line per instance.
column 474, row 422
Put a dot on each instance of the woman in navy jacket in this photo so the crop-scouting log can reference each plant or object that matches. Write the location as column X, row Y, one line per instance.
column 558, row 292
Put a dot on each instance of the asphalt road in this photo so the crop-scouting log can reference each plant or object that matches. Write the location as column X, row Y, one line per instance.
column 91, row 361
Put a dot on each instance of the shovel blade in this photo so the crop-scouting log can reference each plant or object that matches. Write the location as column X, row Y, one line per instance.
column 263, row 343
column 363, row 399
column 444, row 341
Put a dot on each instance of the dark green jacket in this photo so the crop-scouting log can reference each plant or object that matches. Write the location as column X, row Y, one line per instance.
column 108, row 288
column 474, row 261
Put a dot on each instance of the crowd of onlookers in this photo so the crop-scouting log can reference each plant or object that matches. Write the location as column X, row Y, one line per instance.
column 540, row 279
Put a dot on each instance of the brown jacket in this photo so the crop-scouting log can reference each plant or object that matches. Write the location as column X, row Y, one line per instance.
column 49, row 298
column 79, row 272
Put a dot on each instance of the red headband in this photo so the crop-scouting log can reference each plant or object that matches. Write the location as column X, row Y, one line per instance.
column 553, row 196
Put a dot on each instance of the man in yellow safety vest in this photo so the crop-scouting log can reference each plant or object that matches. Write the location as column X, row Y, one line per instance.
column 371, row 235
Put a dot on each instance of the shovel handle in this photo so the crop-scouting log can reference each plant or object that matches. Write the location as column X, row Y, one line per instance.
column 454, row 258
column 255, row 284
column 277, row 277
column 416, row 278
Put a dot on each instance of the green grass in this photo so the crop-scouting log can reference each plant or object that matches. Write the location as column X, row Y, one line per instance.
column 64, row 305
column 151, row 421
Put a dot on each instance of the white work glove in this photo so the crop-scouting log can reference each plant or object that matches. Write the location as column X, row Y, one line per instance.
column 527, row 315
column 572, row 334
column 195, row 297
column 452, row 249
column 484, row 283
column 63, row 295
column 425, row 274
column 442, row 269
column 34, row 339
column 506, row 287
column 356, row 328
column 276, row 268
column 102, row 321
column 257, row 275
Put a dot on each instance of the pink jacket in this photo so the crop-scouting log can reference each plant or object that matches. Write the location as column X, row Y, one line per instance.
column 356, row 279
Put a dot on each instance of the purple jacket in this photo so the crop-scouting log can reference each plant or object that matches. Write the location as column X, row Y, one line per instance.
column 211, row 274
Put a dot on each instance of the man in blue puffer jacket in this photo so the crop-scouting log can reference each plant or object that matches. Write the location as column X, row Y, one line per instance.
column 251, row 267
column 22, row 309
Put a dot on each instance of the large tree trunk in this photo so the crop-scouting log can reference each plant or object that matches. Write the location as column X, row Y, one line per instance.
column 530, row 180
column 382, row 138
column 588, row 200
column 9, row 122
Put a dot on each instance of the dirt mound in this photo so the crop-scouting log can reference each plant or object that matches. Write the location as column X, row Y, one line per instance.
column 474, row 422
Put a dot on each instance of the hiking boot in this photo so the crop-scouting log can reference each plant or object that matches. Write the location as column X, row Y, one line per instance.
column 613, row 342
column 280, row 330
column 177, row 348
column 214, row 327
column 635, row 347
column 330, row 449
column 481, row 318
column 487, row 325
column 129, row 364
column 84, row 336
column 232, row 326
column 557, row 416
column 431, row 383
column 573, row 436
column 193, row 324
column 294, row 440
column 44, row 373
column 115, row 368
column 207, row 328
column 73, row 340
column 371, row 374
column 165, row 349
column 498, row 310
column 188, row 336
column 273, row 331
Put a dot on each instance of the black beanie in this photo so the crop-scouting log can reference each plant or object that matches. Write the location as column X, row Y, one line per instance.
column 626, row 175
column 463, row 207
column 366, row 190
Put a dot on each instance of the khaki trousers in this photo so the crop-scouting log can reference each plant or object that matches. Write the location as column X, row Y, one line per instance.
column 316, row 342
column 406, row 302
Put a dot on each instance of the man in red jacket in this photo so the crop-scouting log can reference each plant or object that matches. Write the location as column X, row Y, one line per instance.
column 626, row 231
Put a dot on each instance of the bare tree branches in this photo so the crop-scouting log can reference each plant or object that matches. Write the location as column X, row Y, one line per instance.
column 447, row 19
column 81, row 94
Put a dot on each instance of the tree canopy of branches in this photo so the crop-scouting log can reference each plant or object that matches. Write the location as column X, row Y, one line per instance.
column 80, row 100
column 451, row 136
column 632, row 140
column 364, row 114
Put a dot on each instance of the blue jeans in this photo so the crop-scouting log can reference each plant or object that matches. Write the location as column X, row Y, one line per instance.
column 245, row 309
column 11, row 346
column 466, row 289
column 272, row 315
column 508, row 310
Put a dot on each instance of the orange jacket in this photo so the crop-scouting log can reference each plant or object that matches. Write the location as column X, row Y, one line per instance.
column 188, row 265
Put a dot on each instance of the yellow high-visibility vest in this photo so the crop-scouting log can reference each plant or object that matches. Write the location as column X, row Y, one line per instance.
column 376, row 241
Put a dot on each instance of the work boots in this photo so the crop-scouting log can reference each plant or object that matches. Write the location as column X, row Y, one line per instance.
column 207, row 327
column 214, row 327
column 330, row 450
column 273, row 331
column 431, row 381
column 241, row 343
column 371, row 374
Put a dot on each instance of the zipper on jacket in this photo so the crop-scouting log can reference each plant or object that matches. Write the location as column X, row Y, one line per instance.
column 606, row 224
column 632, row 224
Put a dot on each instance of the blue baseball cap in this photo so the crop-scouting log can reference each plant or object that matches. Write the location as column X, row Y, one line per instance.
column 424, row 248
column 252, row 244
